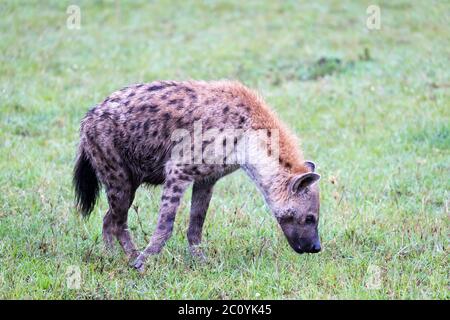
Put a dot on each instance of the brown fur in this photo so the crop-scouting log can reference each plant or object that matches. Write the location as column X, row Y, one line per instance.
column 262, row 117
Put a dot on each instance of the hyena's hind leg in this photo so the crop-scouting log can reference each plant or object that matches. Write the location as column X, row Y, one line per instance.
column 201, row 196
column 120, row 190
column 120, row 197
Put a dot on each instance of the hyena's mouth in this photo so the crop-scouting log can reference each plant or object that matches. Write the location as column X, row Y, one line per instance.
column 299, row 250
column 297, row 247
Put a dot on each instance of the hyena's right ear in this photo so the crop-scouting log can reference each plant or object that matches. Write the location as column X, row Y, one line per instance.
column 301, row 182
column 311, row 165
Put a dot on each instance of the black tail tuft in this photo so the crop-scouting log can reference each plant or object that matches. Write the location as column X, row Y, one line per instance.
column 85, row 183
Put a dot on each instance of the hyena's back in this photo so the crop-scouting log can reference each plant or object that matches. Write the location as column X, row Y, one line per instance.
column 129, row 134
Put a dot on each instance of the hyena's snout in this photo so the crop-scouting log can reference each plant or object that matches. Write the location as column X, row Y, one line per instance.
column 311, row 245
column 303, row 239
column 314, row 247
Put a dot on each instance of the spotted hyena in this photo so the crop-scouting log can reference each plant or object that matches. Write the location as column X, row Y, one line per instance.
column 164, row 132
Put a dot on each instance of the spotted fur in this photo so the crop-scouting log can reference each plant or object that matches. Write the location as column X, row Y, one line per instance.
column 125, row 142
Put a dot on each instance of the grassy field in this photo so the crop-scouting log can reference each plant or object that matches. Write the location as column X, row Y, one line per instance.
column 372, row 108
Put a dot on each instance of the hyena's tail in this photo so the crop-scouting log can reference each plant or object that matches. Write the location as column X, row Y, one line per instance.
column 85, row 183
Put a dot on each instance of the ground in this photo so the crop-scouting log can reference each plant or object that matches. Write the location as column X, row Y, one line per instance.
column 371, row 108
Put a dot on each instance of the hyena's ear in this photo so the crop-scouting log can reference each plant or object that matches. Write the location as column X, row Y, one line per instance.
column 311, row 165
column 300, row 182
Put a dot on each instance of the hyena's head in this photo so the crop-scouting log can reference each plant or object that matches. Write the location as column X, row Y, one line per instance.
column 299, row 217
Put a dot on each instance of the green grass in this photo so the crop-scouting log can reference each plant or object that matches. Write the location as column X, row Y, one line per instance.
column 374, row 115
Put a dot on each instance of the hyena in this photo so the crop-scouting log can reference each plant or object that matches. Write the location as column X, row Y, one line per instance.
column 128, row 140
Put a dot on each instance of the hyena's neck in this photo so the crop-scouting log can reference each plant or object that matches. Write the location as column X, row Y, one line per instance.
column 262, row 117
column 266, row 182
column 272, row 182
column 272, row 173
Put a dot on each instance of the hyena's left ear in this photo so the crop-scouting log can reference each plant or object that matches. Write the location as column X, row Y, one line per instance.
column 301, row 182
column 311, row 165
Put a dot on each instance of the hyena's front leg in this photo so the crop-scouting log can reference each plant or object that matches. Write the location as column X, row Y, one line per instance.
column 173, row 190
column 201, row 196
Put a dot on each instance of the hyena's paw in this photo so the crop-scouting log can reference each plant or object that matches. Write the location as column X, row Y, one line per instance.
column 139, row 263
column 197, row 254
column 132, row 256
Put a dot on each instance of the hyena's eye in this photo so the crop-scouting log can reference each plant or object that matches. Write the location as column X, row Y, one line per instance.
column 310, row 219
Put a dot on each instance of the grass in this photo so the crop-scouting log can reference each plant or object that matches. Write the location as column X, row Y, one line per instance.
column 371, row 109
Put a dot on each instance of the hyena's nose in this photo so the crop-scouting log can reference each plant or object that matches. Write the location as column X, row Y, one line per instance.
column 315, row 247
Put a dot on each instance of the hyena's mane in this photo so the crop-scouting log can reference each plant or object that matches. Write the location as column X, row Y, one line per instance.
column 262, row 117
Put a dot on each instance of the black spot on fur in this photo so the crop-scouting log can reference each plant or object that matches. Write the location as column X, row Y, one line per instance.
column 105, row 115
column 138, row 126
column 157, row 87
column 170, row 221
column 187, row 89
column 146, row 125
column 153, row 109
column 180, row 122
column 193, row 97
column 176, row 102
